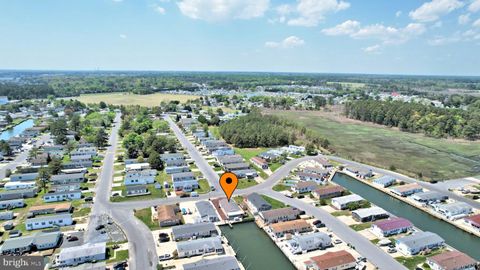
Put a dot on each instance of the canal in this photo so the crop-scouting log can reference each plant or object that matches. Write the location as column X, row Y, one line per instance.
column 254, row 248
column 454, row 236
column 16, row 130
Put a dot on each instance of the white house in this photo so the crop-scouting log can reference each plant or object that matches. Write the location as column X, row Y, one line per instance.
column 62, row 196
column 342, row 202
column 23, row 177
column 62, row 179
column 212, row 245
column 19, row 185
column 16, row 203
column 89, row 252
column 307, row 242
column 415, row 243
column 48, row 221
column 137, row 167
column 454, row 210
column 142, row 177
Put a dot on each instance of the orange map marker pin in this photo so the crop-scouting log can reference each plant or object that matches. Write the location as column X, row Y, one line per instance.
column 228, row 182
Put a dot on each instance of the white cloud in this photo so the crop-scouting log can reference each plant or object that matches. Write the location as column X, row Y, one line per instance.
column 398, row 13
column 123, row 36
column 386, row 34
column 433, row 10
column 474, row 6
column 441, row 40
column 464, row 18
column 289, row 42
column 159, row 9
column 345, row 28
column 311, row 12
column 218, row 10
column 375, row 49
column 476, row 23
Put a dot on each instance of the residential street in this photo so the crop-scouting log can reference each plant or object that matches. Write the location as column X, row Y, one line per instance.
column 142, row 245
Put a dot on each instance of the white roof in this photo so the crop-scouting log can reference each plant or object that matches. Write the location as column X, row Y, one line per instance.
column 347, row 199
column 85, row 250
column 372, row 211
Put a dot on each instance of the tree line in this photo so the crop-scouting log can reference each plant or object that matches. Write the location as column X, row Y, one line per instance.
column 418, row 117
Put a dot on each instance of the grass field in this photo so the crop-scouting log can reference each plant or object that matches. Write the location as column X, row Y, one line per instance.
column 248, row 153
column 133, row 99
column 275, row 204
column 145, row 215
column 409, row 153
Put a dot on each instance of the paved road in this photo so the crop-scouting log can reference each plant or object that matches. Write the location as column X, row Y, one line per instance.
column 370, row 251
column 21, row 158
column 433, row 187
column 197, row 157
column 141, row 243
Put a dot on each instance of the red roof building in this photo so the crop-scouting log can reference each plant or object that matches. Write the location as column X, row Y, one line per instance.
column 338, row 260
column 452, row 260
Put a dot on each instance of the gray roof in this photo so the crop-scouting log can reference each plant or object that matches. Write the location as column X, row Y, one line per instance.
column 172, row 155
column 348, row 199
column 218, row 263
column 81, row 157
column 279, row 212
column 191, row 228
column 205, row 208
column 372, row 211
column 48, row 218
column 456, row 207
column 82, row 251
column 303, row 240
column 211, row 242
column 62, row 193
column 136, row 187
column 183, row 174
column 67, row 176
column 229, row 206
column 258, row 201
column 429, row 196
column 386, row 179
column 420, row 240
column 234, row 166
column 38, row 238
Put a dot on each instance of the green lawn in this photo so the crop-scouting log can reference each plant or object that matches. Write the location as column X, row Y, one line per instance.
column 274, row 166
column 154, row 194
column 280, row 187
column 248, row 153
column 204, row 186
column 411, row 154
column 361, row 226
column 411, row 262
column 120, row 255
column 340, row 213
column 246, row 183
column 275, row 204
column 82, row 212
column 145, row 215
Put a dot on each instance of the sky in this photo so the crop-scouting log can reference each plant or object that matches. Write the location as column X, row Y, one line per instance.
column 436, row 37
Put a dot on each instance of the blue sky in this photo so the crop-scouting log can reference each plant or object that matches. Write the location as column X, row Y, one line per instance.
column 439, row 37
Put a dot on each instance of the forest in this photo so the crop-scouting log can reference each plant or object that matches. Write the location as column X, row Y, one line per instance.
column 257, row 130
column 417, row 117
column 41, row 84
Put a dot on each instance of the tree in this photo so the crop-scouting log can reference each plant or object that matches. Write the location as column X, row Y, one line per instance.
column 43, row 178
column 5, row 148
column 155, row 161
column 101, row 138
column 103, row 105
column 33, row 152
column 9, row 119
column 310, row 149
column 55, row 166
column 75, row 122
column 58, row 128
column 202, row 119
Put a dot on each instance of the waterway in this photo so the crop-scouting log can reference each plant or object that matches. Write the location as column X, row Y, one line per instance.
column 254, row 248
column 454, row 236
column 16, row 130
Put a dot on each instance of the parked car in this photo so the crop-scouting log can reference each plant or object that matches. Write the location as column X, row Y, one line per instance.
column 337, row 241
column 164, row 257
column 99, row 227
column 392, row 250
column 72, row 238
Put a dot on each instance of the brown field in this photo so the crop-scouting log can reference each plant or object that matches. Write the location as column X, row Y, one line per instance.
column 134, row 99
